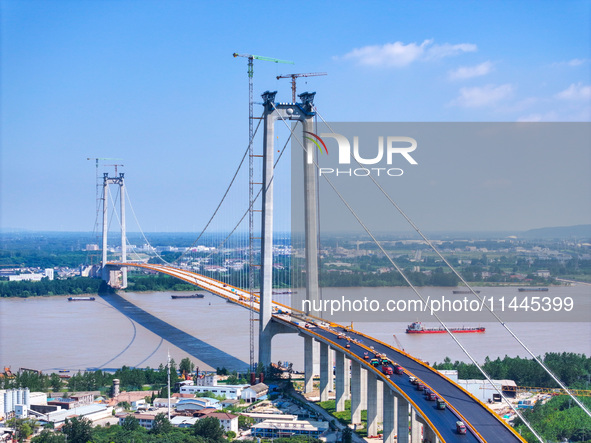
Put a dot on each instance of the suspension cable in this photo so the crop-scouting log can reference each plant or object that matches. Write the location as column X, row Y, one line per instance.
column 415, row 290
column 224, row 196
column 253, row 200
column 141, row 230
column 480, row 299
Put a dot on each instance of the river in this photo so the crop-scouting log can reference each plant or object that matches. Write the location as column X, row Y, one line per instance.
column 50, row 333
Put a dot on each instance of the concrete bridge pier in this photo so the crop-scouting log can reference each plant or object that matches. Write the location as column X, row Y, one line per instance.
column 308, row 364
column 415, row 427
column 374, row 404
column 402, row 406
column 429, row 436
column 325, row 371
column 342, row 381
column 389, row 414
column 358, row 391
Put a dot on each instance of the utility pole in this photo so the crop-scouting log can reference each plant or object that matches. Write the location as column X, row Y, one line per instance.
column 293, row 81
column 168, row 366
column 251, row 156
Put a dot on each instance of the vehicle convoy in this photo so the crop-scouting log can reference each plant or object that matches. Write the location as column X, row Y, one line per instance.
column 417, row 328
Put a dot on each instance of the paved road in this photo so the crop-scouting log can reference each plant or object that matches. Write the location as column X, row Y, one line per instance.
column 478, row 416
column 484, row 421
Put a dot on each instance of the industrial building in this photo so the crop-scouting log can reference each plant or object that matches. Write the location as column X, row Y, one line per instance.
column 282, row 428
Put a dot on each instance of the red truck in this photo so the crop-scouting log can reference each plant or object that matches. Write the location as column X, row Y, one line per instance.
column 387, row 370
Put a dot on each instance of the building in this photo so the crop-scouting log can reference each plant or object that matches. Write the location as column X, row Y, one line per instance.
column 92, row 412
column 197, row 404
column 229, row 402
column 227, row 420
column 483, row 389
column 282, row 428
column 163, row 402
column 255, row 392
column 145, row 420
column 228, row 391
column 259, row 417
column 206, row 380
column 181, row 421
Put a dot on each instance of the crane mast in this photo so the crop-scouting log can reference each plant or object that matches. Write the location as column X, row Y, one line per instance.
column 293, row 81
column 251, row 155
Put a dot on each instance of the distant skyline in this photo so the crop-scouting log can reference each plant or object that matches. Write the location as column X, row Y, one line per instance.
column 155, row 84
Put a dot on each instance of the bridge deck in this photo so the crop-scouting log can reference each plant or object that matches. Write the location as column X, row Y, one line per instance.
column 479, row 419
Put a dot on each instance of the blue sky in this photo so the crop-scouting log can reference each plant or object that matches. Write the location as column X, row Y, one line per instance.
column 155, row 83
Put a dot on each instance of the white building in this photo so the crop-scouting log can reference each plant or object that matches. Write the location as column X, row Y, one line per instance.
column 254, row 392
column 26, row 277
column 196, row 404
column 280, row 428
column 483, row 390
column 228, row 421
column 163, row 402
column 206, row 380
column 228, row 391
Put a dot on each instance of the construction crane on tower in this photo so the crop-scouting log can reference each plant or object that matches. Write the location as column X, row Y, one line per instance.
column 293, row 81
column 251, row 58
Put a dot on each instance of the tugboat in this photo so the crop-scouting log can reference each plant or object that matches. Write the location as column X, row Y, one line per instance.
column 417, row 328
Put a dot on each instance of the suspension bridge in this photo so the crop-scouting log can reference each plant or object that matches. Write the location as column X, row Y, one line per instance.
column 396, row 400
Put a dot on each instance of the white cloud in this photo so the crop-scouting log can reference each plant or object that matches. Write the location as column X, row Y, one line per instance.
column 544, row 117
column 398, row 54
column 575, row 92
column 574, row 62
column 447, row 50
column 464, row 72
column 482, row 96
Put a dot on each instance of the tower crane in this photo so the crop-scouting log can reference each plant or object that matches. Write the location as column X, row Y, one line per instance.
column 293, row 81
column 251, row 156
column 115, row 168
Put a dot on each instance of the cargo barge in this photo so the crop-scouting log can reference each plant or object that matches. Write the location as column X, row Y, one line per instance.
column 80, row 298
column 464, row 291
column 174, row 297
column 533, row 289
column 417, row 328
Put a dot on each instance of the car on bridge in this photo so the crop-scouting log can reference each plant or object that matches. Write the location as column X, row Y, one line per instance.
column 420, row 387
column 460, row 427
column 441, row 404
column 387, row 370
column 398, row 370
column 431, row 396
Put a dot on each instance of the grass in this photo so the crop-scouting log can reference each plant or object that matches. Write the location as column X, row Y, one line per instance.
column 344, row 417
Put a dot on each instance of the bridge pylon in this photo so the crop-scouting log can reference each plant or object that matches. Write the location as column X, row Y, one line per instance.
column 303, row 112
column 116, row 278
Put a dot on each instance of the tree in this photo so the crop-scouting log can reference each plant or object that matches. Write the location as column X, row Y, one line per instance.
column 130, row 423
column 347, row 435
column 209, row 428
column 186, row 366
column 244, row 421
column 161, row 425
column 56, row 382
column 78, row 430
column 49, row 437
